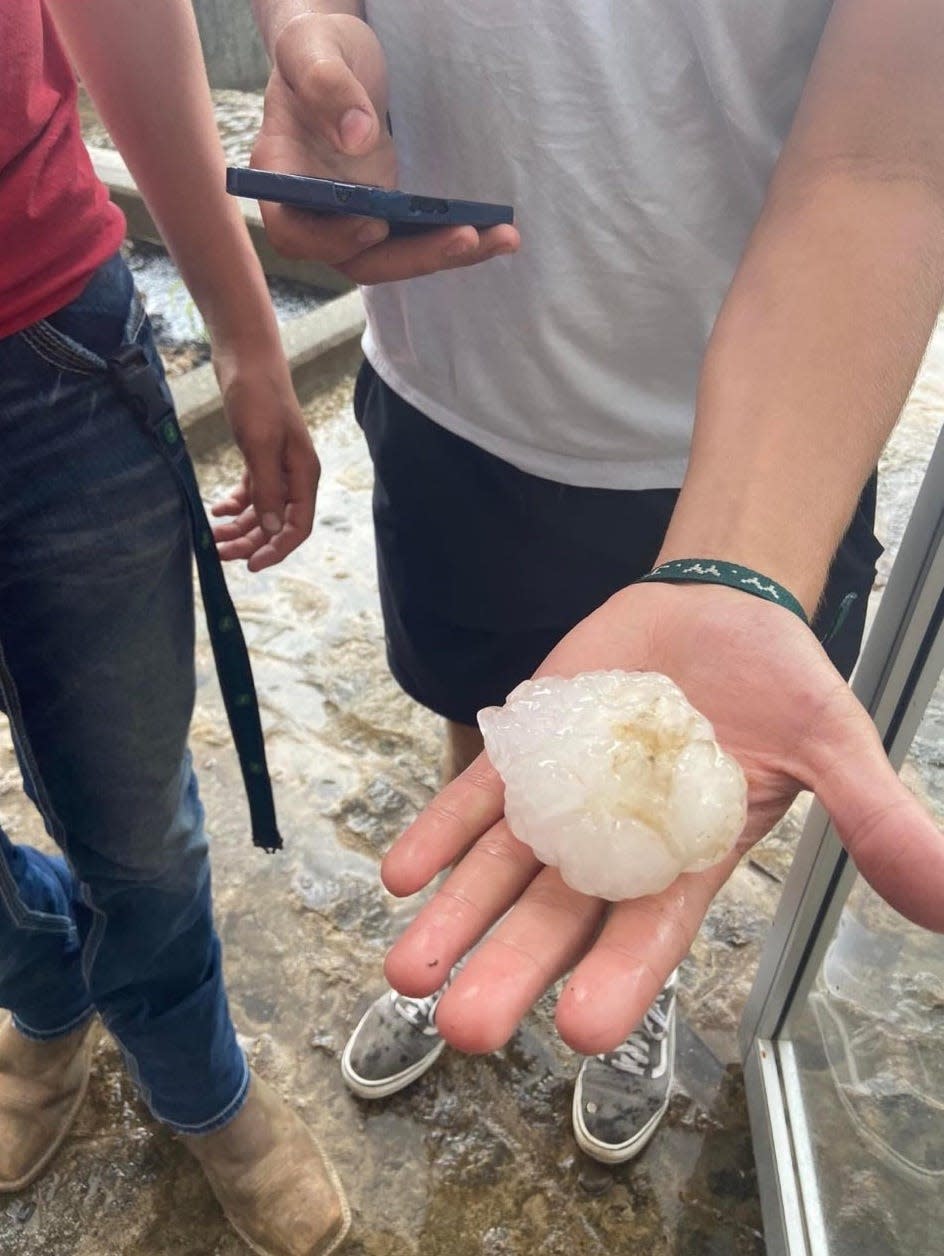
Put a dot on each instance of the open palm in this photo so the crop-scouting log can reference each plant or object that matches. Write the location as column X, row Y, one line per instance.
column 776, row 703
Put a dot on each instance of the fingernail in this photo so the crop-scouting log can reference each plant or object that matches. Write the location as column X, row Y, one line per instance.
column 354, row 127
column 373, row 233
column 271, row 523
column 459, row 248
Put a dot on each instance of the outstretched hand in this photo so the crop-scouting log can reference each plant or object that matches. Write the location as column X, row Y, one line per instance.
column 326, row 116
column 776, row 703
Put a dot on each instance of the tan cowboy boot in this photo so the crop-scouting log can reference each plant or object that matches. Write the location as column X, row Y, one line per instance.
column 278, row 1189
column 42, row 1085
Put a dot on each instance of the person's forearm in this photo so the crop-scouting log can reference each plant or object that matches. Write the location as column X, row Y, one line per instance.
column 826, row 322
column 272, row 16
column 143, row 67
column 807, row 370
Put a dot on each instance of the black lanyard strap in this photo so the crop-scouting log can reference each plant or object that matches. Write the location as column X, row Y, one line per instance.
column 141, row 386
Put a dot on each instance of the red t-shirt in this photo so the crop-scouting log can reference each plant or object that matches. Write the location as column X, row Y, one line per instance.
column 56, row 221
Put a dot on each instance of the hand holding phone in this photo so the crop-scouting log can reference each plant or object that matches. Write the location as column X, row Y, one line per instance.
column 325, row 118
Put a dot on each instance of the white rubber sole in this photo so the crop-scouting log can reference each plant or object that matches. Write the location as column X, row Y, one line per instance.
column 364, row 1088
column 604, row 1152
column 609, row 1153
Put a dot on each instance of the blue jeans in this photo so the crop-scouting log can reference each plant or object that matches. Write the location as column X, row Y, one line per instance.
column 97, row 678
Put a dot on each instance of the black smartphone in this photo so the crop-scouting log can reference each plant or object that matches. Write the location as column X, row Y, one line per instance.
column 406, row 214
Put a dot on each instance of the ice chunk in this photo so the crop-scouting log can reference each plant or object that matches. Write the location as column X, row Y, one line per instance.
column 615, row 779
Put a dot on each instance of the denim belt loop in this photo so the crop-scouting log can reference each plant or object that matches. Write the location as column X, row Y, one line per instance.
column 139, row 384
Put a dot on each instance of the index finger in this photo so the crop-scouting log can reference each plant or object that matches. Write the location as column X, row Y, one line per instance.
column 457, row 817
column 479, row 891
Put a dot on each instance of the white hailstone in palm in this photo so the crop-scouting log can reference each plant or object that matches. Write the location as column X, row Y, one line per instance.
column 615, row 779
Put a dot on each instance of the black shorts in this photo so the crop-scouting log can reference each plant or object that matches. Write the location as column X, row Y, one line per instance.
column 483, row 568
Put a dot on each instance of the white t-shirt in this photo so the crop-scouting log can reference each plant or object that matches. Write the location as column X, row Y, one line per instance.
column 635, row 139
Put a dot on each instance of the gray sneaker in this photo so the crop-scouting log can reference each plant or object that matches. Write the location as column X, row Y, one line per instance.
column 395, row 1042
column 621, row 1096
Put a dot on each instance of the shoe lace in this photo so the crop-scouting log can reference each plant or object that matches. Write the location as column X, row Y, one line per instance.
column 418, row 1012
column 634, row 1055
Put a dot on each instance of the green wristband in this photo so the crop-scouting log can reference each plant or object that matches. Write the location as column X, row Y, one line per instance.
column 716, row 571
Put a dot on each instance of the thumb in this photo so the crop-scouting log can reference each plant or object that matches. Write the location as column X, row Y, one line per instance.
column 893, row 841
column 335, row 66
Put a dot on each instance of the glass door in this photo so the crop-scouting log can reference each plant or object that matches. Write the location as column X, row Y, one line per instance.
column 843, row 1034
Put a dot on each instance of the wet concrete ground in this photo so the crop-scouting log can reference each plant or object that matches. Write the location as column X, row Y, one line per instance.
column 477, row 1159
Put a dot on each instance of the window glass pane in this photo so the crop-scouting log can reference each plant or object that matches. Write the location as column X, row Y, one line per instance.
column 869, row 1045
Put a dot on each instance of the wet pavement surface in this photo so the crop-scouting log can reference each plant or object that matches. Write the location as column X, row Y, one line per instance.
column 477, row 1158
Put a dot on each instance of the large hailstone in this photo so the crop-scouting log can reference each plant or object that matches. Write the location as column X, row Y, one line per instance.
column 615, row 779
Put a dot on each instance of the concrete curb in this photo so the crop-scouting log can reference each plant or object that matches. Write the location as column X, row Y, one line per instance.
column 320, row 347
column 113, row 172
